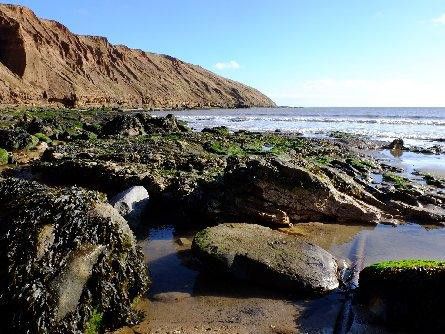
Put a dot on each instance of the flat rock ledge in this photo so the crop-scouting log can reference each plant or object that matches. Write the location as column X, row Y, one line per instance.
column 70, row 263
column 404, row 295
column 260, row 254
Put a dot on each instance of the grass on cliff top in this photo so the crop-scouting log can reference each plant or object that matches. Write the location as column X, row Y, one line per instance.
column 407, row 264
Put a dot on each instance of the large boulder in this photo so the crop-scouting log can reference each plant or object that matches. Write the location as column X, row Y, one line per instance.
column 257, row 188
column 260, row 254
column 131, row 203
column 69, row 259
column 405, row 295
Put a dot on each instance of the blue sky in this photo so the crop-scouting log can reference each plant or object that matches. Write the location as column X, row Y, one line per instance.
column 302, row 53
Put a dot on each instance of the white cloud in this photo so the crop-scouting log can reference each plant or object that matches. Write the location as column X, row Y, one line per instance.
column 439, row 20
column 231, row 65
column 362, row 93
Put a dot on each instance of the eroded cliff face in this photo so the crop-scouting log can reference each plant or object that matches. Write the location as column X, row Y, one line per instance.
column 43, row 63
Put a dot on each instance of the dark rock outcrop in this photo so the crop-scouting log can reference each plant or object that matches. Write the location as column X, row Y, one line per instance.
column 259, row 187
column 136, row 124
column 68, row 257
column 270, row 179
column 396, row 145
column 405, row 295
column 13, row 139
column 271, row 258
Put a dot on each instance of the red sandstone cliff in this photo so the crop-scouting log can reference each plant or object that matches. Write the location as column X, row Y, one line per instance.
column 43, row 63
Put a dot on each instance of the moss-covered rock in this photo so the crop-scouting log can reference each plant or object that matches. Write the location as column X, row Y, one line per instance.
column 219, row 130
column 4, row 157
column 43, row 137
column 434, row 181
column 397, row 180
column 135, row 124
column 405, row 294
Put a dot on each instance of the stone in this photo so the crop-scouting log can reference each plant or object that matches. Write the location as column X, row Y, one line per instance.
column 68, row 256
column 41, row 147
column 16, row 139
column 261, row 189
column 278, row 218
column 131, row 203
column 71, row 282
column 396, row 145
column 404, row 294
column 260, row 254
column 184, row 242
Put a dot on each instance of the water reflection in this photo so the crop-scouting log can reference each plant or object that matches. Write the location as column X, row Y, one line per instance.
column 395, row 242
column 193, row 300
column 396, row 153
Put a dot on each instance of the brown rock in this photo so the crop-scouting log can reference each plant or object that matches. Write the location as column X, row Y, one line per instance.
column 42, row 62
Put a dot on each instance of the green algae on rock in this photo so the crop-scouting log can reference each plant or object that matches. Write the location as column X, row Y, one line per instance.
column 4, row 157
column 433, row 180
column 413, row 264
column 42, row 137
column 397, row 180
column 192, row 170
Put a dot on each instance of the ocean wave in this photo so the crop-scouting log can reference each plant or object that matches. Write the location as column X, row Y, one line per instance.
column 396, row 121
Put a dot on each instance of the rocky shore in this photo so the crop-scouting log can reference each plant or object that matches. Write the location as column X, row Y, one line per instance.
column 73, row 264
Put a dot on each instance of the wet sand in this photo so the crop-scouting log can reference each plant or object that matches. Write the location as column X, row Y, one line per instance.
column 182, row 300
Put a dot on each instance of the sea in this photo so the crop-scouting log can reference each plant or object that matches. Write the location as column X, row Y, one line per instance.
column 416, row 126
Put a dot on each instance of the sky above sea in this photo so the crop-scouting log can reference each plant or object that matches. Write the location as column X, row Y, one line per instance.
column 300, row 53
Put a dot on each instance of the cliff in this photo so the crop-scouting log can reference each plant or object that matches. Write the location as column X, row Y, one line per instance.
column 43, row 63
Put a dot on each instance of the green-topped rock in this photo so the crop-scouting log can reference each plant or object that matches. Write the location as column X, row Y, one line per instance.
column 4, row 157
column 260, row 254
column 405, row 294
column 42, row 137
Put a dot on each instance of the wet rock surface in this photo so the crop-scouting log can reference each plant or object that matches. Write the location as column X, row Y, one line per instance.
column 259, row 254
column 67, row 256
column 201, row 178
column 218, row 175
